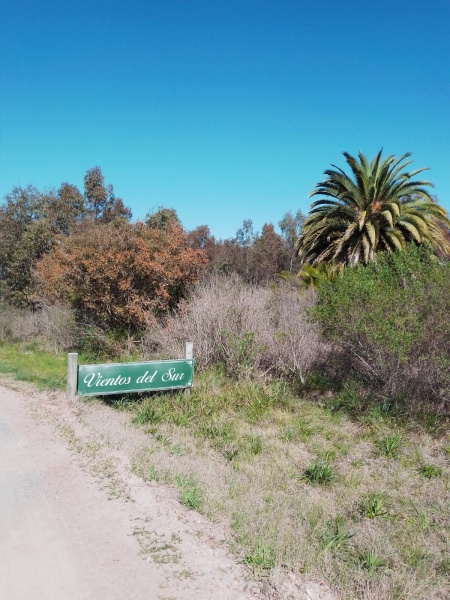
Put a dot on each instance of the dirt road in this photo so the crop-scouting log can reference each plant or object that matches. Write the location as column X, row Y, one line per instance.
column 62, row 537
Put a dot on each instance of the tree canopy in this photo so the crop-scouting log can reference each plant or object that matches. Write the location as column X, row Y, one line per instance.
column 31, row 220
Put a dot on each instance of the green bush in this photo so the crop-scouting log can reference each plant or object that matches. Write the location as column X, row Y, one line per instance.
column 390, row 327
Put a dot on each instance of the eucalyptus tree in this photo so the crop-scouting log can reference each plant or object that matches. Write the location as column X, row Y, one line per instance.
column 101, row 203
column 291, row 227
column 381, row 206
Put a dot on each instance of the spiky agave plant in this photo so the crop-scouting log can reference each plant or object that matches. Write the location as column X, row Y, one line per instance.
column 382, row 207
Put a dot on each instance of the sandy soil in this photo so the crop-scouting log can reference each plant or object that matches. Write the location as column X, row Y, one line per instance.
column 73, row 525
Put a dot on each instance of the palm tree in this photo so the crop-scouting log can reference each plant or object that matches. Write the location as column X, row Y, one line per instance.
column 381, row 208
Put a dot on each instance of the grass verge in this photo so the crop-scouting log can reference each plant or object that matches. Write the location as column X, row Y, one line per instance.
column 27, row 362
column 362, row 502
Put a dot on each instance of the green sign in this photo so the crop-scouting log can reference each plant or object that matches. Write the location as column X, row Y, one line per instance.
column 118, row 378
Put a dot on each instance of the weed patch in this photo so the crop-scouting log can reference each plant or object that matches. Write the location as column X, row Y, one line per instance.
column 373, row 505
column 190, row 492
column 390, row 445
column 261, row 559
column 371, row 561
column 429, row 471
column 319, row 471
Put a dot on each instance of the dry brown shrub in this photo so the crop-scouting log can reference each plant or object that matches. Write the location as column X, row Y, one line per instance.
column 250, row 329
column 119, row 276
column 53, row 327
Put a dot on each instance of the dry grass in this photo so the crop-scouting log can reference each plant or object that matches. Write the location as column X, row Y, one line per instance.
column 379, row 528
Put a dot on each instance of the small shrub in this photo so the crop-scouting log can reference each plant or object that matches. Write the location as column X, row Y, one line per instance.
column 416, row 515
column 148, row 412
column 217, row 430
column 247, row 328
column 96, row 343
column 119, row 275
column 381, row 411
column 255, row 445
column 298, row 431
column 241, row 353
column 179, row 419
column 389, row 323
column 190, row 493
column 444, row 567
column 52, row 328
column 153, row 474
column 230, row 450
column 261, row 558
column 191, row 498
column 348, row 399
column 257, row 402
column 223, row 437
column 416, row 557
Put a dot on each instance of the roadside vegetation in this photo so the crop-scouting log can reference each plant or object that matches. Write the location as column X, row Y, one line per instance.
column 317, row 427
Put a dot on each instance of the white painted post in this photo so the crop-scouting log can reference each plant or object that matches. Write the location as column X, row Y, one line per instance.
column 189, row 356
column 72, row 375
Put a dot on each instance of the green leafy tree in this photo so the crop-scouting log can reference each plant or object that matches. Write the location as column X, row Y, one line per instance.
column 101, row 203
column 201, row 238
column 29, row 222
column 65, row 209
column 245, row 235
column 269, row 255
column 381, row 207
column 241, row 248
column 162, row 218
column 256, row 257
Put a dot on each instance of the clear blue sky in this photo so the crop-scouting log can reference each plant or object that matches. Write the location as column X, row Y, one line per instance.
column 223, row 110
